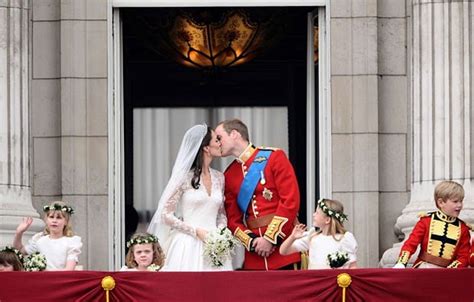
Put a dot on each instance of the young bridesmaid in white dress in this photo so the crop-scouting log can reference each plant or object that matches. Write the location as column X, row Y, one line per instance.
column 57, row 242
column 144, row 254
column 192, row 203
column 330, row 238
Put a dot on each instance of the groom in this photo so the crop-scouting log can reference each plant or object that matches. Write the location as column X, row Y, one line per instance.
column 261, row 198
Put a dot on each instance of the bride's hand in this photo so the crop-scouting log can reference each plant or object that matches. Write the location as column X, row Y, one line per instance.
column 201, row 234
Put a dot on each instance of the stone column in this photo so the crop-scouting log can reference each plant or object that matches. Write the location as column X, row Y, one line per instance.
column 443, row 122
column 83, row 99
column 15, row 191
column 354, row 125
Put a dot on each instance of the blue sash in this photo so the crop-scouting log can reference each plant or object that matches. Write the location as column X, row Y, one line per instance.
column 252, row 178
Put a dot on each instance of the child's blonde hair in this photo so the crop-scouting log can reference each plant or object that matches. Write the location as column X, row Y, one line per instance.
column 11, row 256
column 448, row 189
column 64, row 210
column 144, row 238
column 335, row 211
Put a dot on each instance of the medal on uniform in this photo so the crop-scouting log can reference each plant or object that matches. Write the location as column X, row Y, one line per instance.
column 267, row 194
column 262, row 179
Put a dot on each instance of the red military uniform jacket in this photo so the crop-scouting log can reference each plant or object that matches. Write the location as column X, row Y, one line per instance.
column 272, row 210
column 442, row 238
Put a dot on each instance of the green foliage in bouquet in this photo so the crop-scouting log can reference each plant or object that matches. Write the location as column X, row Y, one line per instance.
column 153, row 268
column 219, row 246
column 337, row 259
column 35, row 262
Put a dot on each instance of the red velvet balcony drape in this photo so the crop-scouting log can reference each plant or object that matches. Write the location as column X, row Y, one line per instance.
column 318, row 285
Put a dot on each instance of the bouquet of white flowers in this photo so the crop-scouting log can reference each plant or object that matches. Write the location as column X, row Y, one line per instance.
column 35, row 262
column 219, row 246
column 337, row 259
column 153, row 267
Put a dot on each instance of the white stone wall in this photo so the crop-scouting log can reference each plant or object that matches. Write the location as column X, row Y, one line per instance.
column 369, row 112
column 394, row 115
column 69, row 116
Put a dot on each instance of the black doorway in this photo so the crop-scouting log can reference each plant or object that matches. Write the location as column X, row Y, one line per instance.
column 277, row 77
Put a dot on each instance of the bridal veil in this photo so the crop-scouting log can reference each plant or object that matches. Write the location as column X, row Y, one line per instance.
column 187, row 152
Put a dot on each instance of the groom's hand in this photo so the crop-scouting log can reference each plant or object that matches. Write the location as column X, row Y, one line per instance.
column 263, row 247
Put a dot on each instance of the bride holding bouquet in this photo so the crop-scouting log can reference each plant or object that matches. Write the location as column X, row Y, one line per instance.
column 191, row 208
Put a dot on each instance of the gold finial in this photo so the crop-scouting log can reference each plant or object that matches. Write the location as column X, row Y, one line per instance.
column 108, row 284
column 344, row 280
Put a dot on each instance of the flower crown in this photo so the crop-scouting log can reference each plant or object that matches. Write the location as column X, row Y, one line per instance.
column 330, row 212
column 58, row 207
column 10, row 249
column 142, row 240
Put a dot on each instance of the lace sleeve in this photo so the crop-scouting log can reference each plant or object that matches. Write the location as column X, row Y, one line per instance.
column 221, row 214
column 169, row 210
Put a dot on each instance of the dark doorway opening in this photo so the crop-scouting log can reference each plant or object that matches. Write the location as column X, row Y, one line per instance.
column 276, row 77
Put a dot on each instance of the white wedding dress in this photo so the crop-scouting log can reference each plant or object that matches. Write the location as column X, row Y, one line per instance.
column 196, row 208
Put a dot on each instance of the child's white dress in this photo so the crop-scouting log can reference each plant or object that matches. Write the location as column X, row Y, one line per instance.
column 127, row 269
column 133, row 269
column 57, row 251
column 320, row 246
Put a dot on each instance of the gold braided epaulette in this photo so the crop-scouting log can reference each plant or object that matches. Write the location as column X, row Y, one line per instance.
column 423, row 214
column 268, row 148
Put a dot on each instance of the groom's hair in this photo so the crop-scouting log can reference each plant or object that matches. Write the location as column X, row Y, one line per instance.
column 237, row 125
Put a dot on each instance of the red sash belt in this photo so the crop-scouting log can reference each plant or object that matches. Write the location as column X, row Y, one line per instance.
column 259, row 222
column 434, row 259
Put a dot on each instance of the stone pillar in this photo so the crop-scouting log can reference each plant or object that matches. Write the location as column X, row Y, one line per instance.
column 443, row 122
column 15, row 190
column 83, row 99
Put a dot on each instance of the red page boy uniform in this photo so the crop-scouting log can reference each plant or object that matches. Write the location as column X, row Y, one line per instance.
column 444, row 241
column 262, row 200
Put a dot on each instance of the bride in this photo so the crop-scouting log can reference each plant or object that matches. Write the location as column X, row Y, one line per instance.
column 194, row 193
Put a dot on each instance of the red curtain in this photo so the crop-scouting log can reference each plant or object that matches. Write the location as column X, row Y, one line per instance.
column 313, row 285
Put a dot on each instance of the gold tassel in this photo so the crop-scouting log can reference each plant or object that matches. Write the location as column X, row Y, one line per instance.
column 304, row 260
column 344, row 280
column 108, row 284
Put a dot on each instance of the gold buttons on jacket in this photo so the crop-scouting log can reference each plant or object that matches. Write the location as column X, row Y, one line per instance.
column 254, row 207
